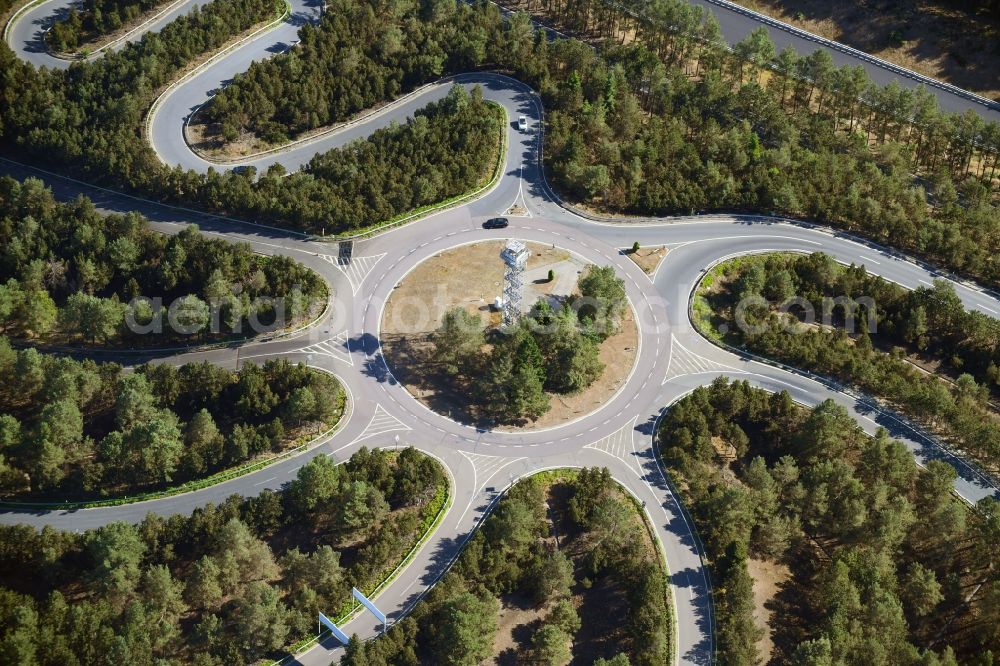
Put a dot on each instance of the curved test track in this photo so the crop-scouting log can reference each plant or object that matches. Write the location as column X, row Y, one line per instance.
column 672, row 360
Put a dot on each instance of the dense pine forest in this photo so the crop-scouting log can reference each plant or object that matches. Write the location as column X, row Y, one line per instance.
column 647, row 113
column 72, row 430
column 228, row 585
column 571, row 545
column 669, row 122
column 69, row 274
column 95, row 19
column 928, row 324
column 885, row 565
column 673, row 122
column 449, row 148
column 361, row 54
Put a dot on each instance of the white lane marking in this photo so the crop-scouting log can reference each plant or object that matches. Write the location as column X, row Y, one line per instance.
column 617, row 443
column 686, row 362
column 338, row 348
column 681, row 244
column 356, row 268
column 381, row 422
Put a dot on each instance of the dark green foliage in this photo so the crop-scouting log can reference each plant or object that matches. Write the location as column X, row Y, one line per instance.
column 508, row 556
column 96, row 18
column 511, row 385
column 673, row 122
column 871, row 582
column 361, row 54
column 716, row 141
column 549, row 350
column 550, row 646
column 90, row 267
column 720, row 141
column 929, row 321
column 88, row 118
column 78, row 429
column 221, row 586
column 447, row 149
column 602, row 301
column 463, row 629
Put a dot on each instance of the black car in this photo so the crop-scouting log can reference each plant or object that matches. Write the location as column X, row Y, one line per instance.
column 496, row 223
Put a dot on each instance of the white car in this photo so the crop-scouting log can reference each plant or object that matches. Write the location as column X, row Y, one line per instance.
column 522, row 124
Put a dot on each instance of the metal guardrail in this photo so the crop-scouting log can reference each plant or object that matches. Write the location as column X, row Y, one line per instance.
column 879, row 406
column 861, row 55
column 17, row 15
column 154, row 107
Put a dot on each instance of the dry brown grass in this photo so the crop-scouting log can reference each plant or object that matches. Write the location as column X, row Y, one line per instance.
column 648, row 258
column 937, row 39
column 471, row 276
column 768, row 578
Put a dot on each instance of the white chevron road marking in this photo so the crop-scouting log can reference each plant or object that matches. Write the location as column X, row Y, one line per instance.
column 486, row 467
column 356, row 269
column 338, row 348
column 617, row 444
column 685, row 362
column 381, row 423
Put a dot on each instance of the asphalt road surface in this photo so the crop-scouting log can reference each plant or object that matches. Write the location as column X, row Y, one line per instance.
column 672, row 359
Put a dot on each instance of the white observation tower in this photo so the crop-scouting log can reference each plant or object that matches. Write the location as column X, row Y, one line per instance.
column 515, row 256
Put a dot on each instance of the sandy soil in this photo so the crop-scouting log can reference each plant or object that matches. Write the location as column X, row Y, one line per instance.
column 207, row 141
column 936, row 39
column 519, row 619
column 471, row 276
column 768, row 578
column 647, row 258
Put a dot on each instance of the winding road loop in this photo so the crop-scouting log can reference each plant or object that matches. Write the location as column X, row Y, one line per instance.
column 672, row 360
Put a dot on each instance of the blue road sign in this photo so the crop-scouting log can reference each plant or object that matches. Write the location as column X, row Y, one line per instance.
column 368, row 604
column 337, row 633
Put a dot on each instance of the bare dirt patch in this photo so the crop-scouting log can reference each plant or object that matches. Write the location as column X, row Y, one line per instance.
column 768, row 579
column 942, row 40
column 207, row 141
column 648, row 258
column 519, row 619
column 471, row 277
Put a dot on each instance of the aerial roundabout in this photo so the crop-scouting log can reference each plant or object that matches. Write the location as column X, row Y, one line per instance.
column 671, row 357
